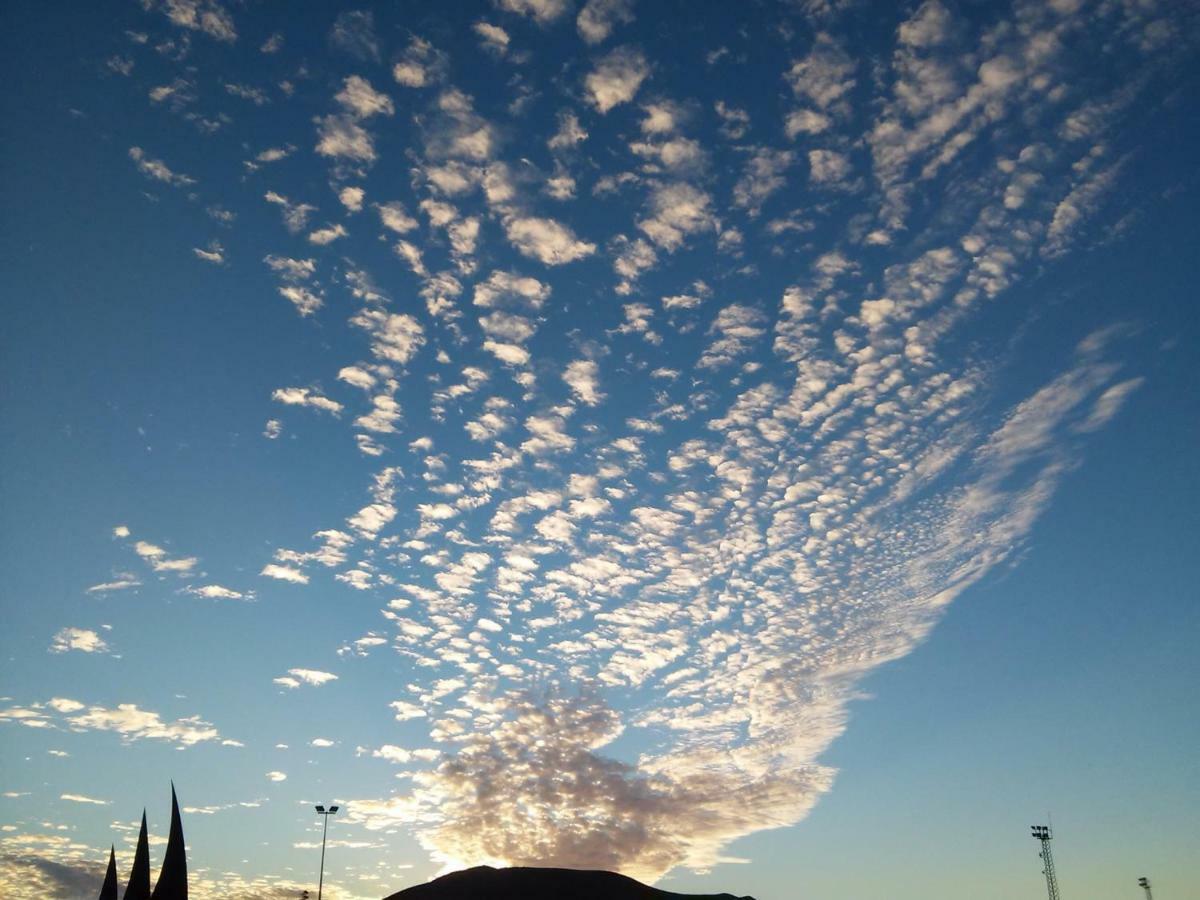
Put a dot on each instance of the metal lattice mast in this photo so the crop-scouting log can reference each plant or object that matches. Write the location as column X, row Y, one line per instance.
column 1043, row 834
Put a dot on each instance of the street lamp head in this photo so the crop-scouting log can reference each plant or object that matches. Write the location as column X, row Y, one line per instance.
column 333, row 809
column 320, row 809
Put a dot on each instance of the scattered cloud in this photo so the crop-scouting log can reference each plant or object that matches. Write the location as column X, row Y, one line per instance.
column 158, row 170
column 296, row 677
column 205, row 16
column 81, row 639
column 80, row 798
column 354, row 33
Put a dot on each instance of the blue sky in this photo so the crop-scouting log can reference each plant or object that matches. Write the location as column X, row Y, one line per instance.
column 747, row 447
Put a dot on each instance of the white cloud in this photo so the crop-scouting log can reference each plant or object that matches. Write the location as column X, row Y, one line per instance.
column 806, row 121
column 384, row 415
column 371, row 519
column 356, row 376
column 134, row 724
column 492, row 38
column 159, row 560
column 569, row 132
column 81, row 639
column 123, row 583
column 328, row 234
column 395, row 337
column 301, row 396
column 284, row 573
column 507, row 327
column 394, row 217
column 546, row 240
column 274, row 154
column 158, row 170
column 735, row 328
column 214, row 253
column 304, row 300
column 763, row 176
column 508, row 288
column 217, row 592
column 630, row 259
column 541, row 11
column 828, row 166
column 352, row 198
column 509, row 354
column 583, row 377
column 276, row 776
column 295, row 215
column 1109, row 403
column 598, row 18
column 206, row 16
column 354, row 32
column 342, row 137
column 825, row 76
column 314, row 677
column 252, row 94
column 616, row 78
column 361, row 100
column 80, row 798
column 392, row 754
column 676, row 211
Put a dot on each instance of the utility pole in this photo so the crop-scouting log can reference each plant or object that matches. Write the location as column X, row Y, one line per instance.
column 1144, row 884
column 325, row 814
column 1043, row 834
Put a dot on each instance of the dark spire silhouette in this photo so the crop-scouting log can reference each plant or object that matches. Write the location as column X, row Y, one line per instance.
column 139, row 875
column 109, row 891
column 172, row 879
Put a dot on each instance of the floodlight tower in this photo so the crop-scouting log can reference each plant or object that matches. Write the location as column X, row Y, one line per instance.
column 324, row 814
column 1144, row 884
column 1043, row 834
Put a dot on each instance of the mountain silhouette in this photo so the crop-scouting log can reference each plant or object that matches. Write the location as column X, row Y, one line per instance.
column 487, row 883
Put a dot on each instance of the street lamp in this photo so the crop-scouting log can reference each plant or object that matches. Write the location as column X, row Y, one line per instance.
column 325, row 814
column 1144, row 884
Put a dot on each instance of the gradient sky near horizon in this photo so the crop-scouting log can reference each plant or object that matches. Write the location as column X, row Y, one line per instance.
column 747, row 446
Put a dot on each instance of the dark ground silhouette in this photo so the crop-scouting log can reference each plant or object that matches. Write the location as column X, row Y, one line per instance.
column 486, row 883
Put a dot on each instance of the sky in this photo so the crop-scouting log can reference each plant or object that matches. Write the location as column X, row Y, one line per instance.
column 750, row 447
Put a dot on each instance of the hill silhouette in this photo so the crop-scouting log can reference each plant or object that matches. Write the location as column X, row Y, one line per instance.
column 487, row 883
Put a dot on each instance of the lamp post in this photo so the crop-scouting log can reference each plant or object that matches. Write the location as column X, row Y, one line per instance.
column 1144, row 884
column 324, row 814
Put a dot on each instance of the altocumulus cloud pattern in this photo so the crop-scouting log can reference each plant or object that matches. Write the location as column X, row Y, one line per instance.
column 675, row 364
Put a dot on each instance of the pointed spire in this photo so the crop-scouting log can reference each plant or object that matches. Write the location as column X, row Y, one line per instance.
column 109, row 891
column 139, row 876
column 172, row 879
